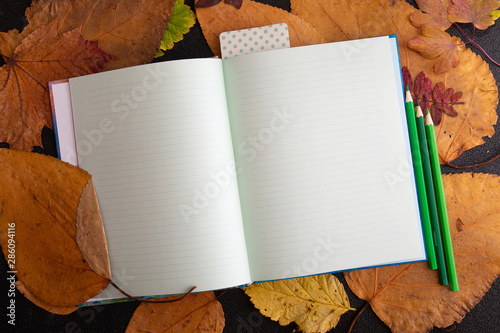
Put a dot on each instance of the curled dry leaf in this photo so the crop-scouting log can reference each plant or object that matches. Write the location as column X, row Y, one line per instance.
column 41, row 195
column 129, row 29
column 408, row 298
column 41, row 57
column 434, row 13
column 481, row 13
column 223, row 17
column 194, row 313
column 314, row 303
column 472, row 76
column 438, row 45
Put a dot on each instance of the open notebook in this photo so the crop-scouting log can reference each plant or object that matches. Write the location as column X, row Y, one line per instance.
column 218, row 173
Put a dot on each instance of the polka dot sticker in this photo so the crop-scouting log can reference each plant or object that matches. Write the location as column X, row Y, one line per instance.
column 242, row 42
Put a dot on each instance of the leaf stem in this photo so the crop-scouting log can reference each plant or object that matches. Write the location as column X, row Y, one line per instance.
column 472, row 165
column 471, row 40
column 357, row 316
column 150, row 300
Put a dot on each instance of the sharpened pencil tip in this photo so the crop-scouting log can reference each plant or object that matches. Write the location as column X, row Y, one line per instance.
column 408, row 97
column 418, row 111
column 428, row 118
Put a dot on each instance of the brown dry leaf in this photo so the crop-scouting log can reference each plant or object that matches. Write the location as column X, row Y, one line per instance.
column 408, row 298
column 41, row 195
column 481, row 13
column 194, row 313
column 225, row 17
column 436, row 44
column 41, row 57
column 342, row 19
column 435, row 13
column 129, row 29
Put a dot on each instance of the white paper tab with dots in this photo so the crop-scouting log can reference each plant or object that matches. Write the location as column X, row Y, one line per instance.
column 239, row 42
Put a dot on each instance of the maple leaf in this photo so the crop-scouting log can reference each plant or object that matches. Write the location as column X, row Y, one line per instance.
column 61, row 254
column 408, row 298
column 194, row 313
column 41, row 57
column 434, row 13
column 181, row 21
column 314, row 303
column 131, row 30
column 436, row 44
column 220, row 18
column 481, row 13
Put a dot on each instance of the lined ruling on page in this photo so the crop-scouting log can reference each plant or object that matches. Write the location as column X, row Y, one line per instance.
column 157, row 141
column 320, row 137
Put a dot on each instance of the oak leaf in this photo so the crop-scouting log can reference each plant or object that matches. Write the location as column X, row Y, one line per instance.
column 41, row 57
column 409, row 298
column 481, row 13
column 194, row 313
column 472, row 76
column 223, row 17
column 434, row 13
column 314, row 303
column 438, row 45
column 131, row 30
column 60, row 249
column 181, row 21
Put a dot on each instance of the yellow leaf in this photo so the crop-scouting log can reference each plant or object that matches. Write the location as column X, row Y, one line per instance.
column 315, row 303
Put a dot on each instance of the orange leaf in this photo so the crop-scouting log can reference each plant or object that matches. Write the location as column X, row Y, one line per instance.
column 224, row 17
column 481, row 13
column 436, row 44
column 129, row 29
column 194, row 313
column 42, row 196
column 41, row 57
column 408, row 298
column 435, row 14
column 472, row 76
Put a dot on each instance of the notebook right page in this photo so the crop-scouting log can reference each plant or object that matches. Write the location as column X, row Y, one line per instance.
column 320, row 137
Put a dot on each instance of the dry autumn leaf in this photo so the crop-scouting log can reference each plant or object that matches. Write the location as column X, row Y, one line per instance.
column 225, row 17
column 41, row 57
column 53, row 207
column 314, row 303
column 434, row 13
column 481, row 13
column 472, row 76
column 408, row 298
column 436, row 44
column 129, row 29
column 194, row 313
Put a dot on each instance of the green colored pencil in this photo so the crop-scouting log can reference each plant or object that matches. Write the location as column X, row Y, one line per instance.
column 431, row 196
column 419, row 177
column 441, row 203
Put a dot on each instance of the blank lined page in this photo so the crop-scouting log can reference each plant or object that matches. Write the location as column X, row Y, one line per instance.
column 320, row 135
column 156, row 140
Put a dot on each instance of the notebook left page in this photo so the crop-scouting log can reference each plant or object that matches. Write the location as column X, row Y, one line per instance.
column 157, row 142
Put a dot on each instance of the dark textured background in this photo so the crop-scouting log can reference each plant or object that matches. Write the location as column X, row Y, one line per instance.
column 240, row 315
